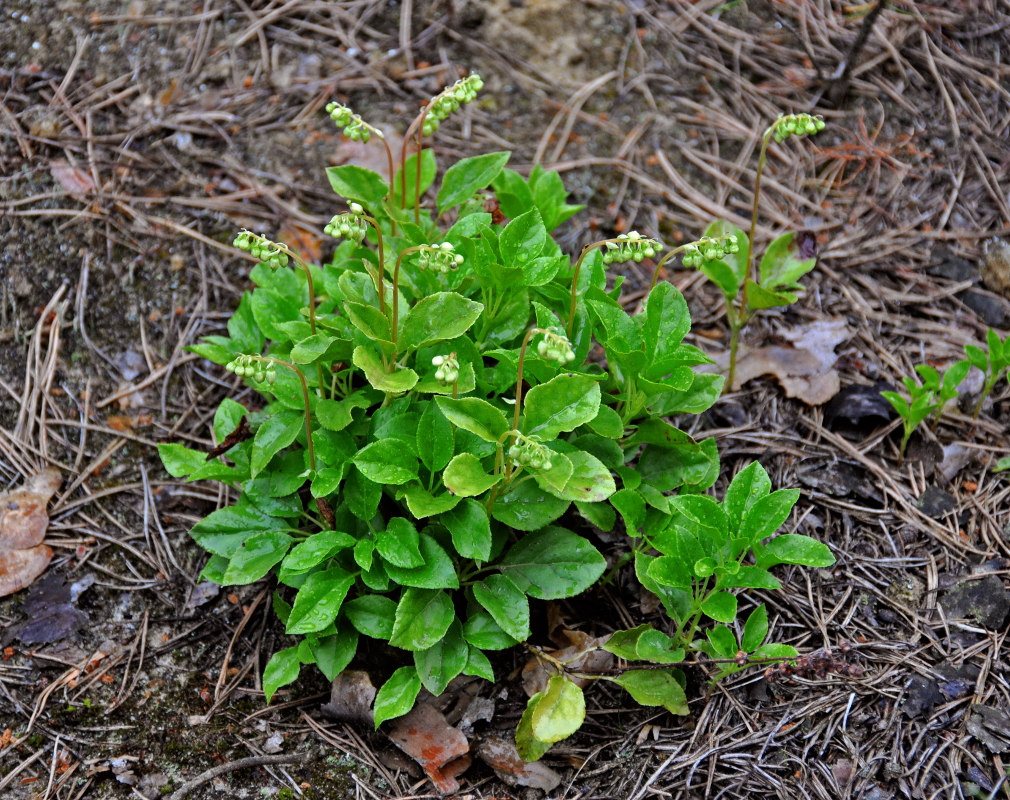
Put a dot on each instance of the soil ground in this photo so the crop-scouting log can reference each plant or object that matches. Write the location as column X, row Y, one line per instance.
column 136, row 137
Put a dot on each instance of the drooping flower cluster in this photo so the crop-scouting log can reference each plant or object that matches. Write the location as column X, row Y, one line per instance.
column 530, row 454
column 462, row 91
column 556, row 347
column 253, row 367
column 797, row 125
column 709, row 248
column 631, row 247
column 350, row 225
column 270, row 253
column 440, row 258
column 354, row 127
column 448, row 369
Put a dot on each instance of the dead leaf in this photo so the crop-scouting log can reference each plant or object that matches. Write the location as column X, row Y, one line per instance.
column 424, row 735
column 583, row 656
column 23, row 524
column 302, row 241
column 74, row 180
column 501, row 755
column 240, row 434
column 351, row 697
column 805, row 370
column 991, row 726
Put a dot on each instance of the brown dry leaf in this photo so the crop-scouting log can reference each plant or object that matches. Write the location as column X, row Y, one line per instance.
column 23, row 524
column 805, row 371
column 351, row 697
column 74, row 180
column 582, row 656
column 500, row 753
column 443, row 752
column 304, row 242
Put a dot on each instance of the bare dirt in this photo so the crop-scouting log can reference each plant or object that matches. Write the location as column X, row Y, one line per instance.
column 136, row 137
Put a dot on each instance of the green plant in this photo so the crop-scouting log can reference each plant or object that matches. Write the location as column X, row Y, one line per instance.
column 993, row 363
column 425, row 462
column 706, row 552
column 725, row 253
column 921, row 403
column 945, row 386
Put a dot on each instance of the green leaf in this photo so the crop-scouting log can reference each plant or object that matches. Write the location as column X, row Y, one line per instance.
column 255, row 556
column 768, row 514
column 653, row 687
column 434, row 438
column 436, row 571
column 179, row 460
column 274, row 434
column 465, row 476
column 527, row 745
column 720, row 606
column 631, row 507
column 747, row 487
column 400, row 380
column 361, row 495
column 364, row 550
column 334, row 652
column 477, row 665
column 607, row 422
column 335, row 415
column 470, row 529
column 281, row 669
column 759, row 297
column 370, row 321
column 318, row 600
column 667, row 321
column 221, row 532
column 398, row 543
column 439, row 316
column 561, row 405
column 506, row 604
column 469, row 175
column 749, row 577
column 780, row 265
column 422, row 504
column 475, row 415
column 553, row 563
column 443, row 661
column 357, row 183
column 792, row 548
column 523, row 239
column 397, row 695
column 527, row 507
column 591, row 481
column 644, row 643
column 772, row 650
column 560, row 712
column 386, row 461
column 317, row 347
column 755, row 629
column 722, row 640
column 372, row 615
column 480, row 630
column 315, row 550
column 601, row 515
column 422, row 618
column 227, row 418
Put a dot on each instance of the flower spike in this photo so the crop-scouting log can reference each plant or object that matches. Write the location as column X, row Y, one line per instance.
column 448, row 100
column 556, row 347
column 252, row 366
column 631, row 247
column 709, row 248
column 354, row 127
column 440, row 258
column 270, row 253
column 448, row 369
column 796, row 125
column 350, row 225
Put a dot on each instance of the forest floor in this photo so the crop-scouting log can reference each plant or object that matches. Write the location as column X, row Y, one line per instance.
column 137, row 137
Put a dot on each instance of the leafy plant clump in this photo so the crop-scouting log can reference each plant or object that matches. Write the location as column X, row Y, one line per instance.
column 448, row 406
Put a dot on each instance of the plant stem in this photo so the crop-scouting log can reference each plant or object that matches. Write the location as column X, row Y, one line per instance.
column 396, row 292
column 762, row 158
column 305, row 400
column 381, row 285
column 312, row 310
column 575, row 278
column 519, row 388
column 662, row 261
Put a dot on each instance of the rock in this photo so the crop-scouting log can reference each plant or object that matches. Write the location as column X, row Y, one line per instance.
column 993, row 311
column 995, row 266
column 860, row 406
column 953, row 268
column 936, row 503
column 986, row 601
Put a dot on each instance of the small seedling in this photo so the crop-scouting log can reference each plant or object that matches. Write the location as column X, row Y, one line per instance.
column 921, row 403
column 992, row 364
column 945, row 387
